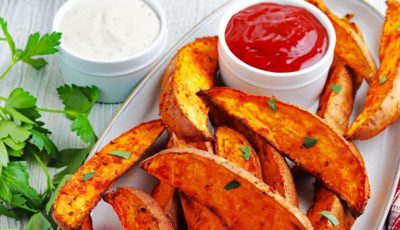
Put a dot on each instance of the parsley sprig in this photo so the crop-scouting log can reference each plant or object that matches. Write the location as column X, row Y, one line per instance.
column 25, row 139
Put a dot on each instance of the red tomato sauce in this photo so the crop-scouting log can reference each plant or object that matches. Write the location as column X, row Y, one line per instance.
column 276, row 38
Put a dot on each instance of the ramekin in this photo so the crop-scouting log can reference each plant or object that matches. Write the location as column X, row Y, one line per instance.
column 301, row 87
column 114, row 78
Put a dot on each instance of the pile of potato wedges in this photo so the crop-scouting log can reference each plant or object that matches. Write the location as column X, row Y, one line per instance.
column 234, row 172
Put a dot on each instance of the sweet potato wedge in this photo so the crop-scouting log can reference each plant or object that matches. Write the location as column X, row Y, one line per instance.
column 165, row 194
column 191, row 70
column 337, row 98
column 83, row 190
column 136, row 210
column 226, row 189
column 87, row 223
column 349, row 46
column 391, row 26
column 290, row 129
column 228, row 144
column 325, row 200
column 382, row 103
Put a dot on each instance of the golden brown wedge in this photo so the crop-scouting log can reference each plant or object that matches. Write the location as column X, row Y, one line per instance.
column 226, row 189
column 337, row 98
column 391, row 26
column 191, row 70
column 165, row 194
column 299, row 135
column 137, row 210
column 382, row 103
column 87, row 223
column 349, row 45
column 83, row 190
column 232, row 146
column 325, row 200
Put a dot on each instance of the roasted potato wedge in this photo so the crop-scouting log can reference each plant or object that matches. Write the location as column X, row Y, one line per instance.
column 83, row 190
column 391, row 26
column 337, row 98
column 229, row 144
column 382, row 103
column 191, row 70
column 225, row 189
column 275, row 171
column 199, row 217
column 325, row 200
column 301, row 136
column 137, row 210
column 87, row 223
column 349, row 46
column 165, row 194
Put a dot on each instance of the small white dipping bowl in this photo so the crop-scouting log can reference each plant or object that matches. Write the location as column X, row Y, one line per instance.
column 301, row 87
column 114, row 78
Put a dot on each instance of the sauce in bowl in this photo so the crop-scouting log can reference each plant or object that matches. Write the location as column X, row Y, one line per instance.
column 276, row 38
column 109, row 29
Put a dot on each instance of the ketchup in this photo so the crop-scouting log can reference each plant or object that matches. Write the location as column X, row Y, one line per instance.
column 276, row 38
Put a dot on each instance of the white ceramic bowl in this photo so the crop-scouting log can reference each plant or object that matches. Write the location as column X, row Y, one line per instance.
column 301, row 87
column 114, row 78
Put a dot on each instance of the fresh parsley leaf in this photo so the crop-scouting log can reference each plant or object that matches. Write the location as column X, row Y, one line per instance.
column 330, row 217
column 38, row 221
column 88, row 176
column 309, row 142
column 246, row 152
column 40, row 45
column 42, row 141
column 3, row 154
column 81, row 125
column 122, row 154
column 382, row 79
column 20, row 99
column 232, row 185
column 336, row 88
column 7, row 36
column 77, row 98
column 10, row 212
column 15, row 178
column 272, row 105
column 71, row 159
column 54, row 195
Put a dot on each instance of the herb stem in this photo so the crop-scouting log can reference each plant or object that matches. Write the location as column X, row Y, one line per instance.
column 51, row 110
column 2, row 39
column 50, row 184
column 13, row 62
column 3, row 98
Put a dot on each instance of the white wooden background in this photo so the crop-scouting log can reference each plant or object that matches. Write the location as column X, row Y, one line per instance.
column 27, row 16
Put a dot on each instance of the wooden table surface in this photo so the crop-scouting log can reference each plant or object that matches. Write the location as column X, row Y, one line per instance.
column 27, row 16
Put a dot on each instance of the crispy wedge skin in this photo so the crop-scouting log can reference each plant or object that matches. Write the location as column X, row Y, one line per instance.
column 331, row 159
column 390, row 28
column 87, row 223
column 349, row 45
column 336, row 107
column 325, row 200
column 227, row 145
column 191, row 70
column 78, row 197
column 204, row 177
column 382, row 103
column 137, row 210
column 165, row 194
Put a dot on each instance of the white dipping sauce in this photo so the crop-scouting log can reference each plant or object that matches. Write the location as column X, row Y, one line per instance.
column 109, row 29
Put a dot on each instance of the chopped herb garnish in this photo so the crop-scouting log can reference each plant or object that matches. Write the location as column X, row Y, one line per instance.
column 122, row 154
column 246, row 152
column 309, row 142
column 88, row 175
column 330, row 217
column 336, row 88
column 272, row 105
column 231, row 185
column 382, row 79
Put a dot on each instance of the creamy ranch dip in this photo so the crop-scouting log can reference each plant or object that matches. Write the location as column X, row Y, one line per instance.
column 109, row 29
